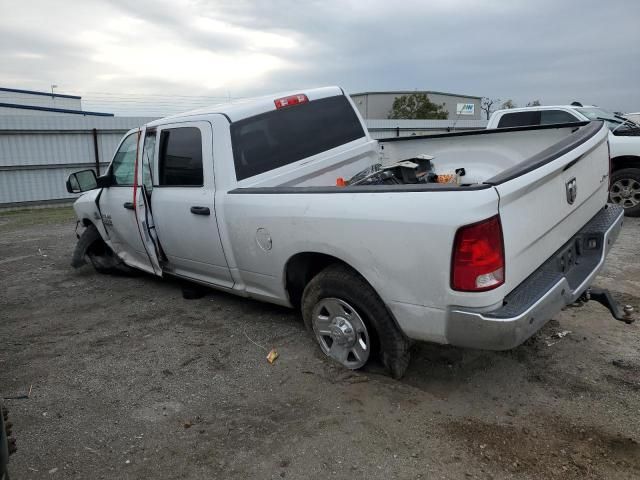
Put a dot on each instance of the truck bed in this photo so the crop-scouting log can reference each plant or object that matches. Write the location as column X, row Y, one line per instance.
column 484, row 154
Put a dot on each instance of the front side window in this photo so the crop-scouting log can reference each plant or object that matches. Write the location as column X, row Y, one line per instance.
column 180, row 157
column 147, row 159
column 124, row 162
column 550, row 117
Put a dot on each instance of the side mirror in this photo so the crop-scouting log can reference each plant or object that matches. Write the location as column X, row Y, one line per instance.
column 82, row 181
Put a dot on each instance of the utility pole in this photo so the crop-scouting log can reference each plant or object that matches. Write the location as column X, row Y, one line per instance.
column 53, row 98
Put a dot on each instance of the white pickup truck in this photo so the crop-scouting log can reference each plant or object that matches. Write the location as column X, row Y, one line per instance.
column 624, row 142
column 287, row 199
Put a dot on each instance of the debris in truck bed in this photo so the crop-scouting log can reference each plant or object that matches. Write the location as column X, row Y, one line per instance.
column 419, row 169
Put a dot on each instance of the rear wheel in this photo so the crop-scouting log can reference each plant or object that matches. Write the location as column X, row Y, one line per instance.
column 341, row 332
column 351, row 323
column 625, row 190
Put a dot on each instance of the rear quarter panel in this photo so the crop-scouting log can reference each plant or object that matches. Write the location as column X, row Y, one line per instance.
column 399, row 242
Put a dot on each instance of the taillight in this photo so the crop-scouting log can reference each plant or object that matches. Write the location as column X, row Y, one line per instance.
column 477, row 262
column 291, row 100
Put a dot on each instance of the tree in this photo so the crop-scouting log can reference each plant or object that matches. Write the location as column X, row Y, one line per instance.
column 508, row 104
column 487, row 105
column 417, row 106
column 535, row 103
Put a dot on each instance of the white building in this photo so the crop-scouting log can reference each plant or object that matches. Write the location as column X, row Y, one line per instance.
column 15, row 101
column 44, row 137
column 378, row 105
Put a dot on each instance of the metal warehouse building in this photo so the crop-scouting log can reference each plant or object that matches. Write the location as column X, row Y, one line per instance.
column 14, row 101
column 44, row 137
column 377, row 105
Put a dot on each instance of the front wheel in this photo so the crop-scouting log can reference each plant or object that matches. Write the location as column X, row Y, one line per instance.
column 91, row 246
column 625, row 190
column 351, row 323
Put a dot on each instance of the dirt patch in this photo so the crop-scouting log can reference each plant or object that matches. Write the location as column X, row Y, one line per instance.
column 549, row 447
column 137, row 382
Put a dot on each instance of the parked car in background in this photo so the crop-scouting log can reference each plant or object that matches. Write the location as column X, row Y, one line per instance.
column 624, row 142
column 474, row 239
column 634, row 117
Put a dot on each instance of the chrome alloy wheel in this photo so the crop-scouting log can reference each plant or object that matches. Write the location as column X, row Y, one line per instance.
column 625, row 192
column 341, row 332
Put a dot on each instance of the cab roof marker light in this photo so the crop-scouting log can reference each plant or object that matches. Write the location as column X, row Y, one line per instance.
column 291, row 100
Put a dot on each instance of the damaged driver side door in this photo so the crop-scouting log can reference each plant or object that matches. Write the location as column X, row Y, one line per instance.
column 118, row 207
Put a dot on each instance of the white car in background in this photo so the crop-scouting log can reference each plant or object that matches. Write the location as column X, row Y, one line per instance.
column 624, row 142
column 634, row 117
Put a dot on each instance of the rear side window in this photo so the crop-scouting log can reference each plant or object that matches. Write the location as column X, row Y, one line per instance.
column 520, row 119
column 274, row 139
column 550, row 117
column 180, row 157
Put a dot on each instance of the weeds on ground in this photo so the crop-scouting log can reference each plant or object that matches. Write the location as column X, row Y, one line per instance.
column 15, row 219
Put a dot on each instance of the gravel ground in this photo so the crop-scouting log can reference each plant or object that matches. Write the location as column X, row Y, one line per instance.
column 129, row 380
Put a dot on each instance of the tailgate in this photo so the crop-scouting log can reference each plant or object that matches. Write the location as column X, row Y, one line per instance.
column 547, row 199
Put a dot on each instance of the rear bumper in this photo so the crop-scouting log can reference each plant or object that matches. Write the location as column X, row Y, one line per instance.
column 557, row 283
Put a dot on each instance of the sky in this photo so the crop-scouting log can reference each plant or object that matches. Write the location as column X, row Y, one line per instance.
column 160, row 57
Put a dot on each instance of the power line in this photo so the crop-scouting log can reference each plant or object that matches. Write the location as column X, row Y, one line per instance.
column 180, row 101
column 157, row 95
column 155, row 104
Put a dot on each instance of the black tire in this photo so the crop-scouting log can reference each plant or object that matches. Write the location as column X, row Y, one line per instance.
column 342, row 282
column 4, row 446
column 91, row 246
column 626, row 177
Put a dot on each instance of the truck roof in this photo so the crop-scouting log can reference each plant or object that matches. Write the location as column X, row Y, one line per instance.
column 249, row 107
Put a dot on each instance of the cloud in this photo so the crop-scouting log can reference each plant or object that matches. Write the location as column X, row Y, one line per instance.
column 548, row 50
column 131, row 48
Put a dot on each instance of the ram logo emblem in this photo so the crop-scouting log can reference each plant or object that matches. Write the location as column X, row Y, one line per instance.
column 572, row 191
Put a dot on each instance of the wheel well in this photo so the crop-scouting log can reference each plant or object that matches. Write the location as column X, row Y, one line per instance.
column 99, row 246
column 627, row 161
column 301, row 268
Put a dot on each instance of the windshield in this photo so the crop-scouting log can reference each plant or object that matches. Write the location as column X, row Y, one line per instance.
column 613, row 121
column 593, row 113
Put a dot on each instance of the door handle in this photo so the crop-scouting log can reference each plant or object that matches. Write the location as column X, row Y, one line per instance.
column 128, row 205
column 200, row 210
